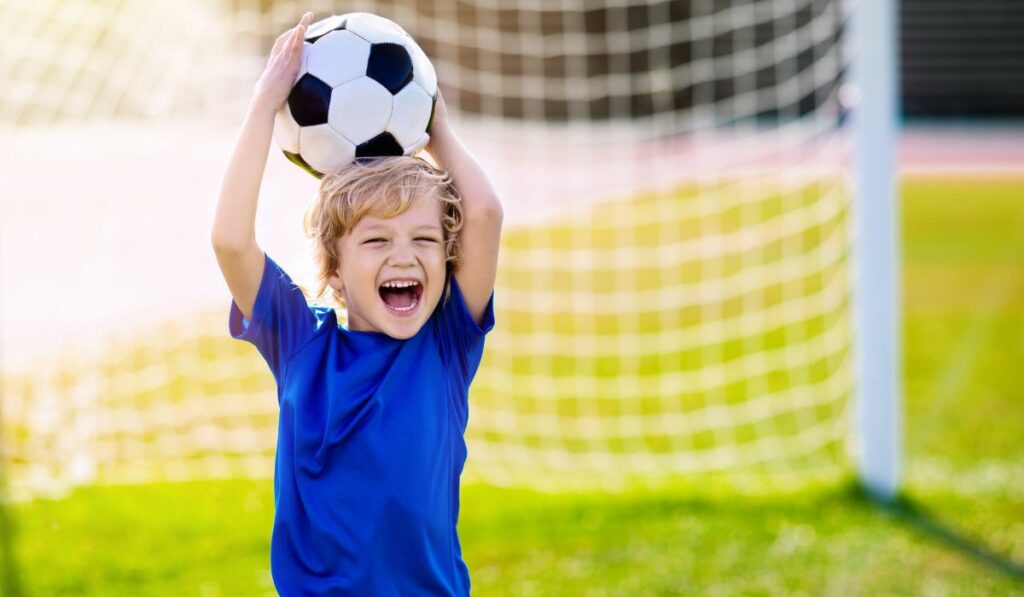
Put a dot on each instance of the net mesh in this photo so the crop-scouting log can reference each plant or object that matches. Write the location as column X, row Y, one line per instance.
column 673, row 287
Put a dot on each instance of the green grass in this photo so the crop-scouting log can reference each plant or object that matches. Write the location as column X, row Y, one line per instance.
column 958, row 530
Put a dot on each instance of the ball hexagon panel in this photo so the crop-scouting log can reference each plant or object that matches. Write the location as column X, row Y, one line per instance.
column 375, row 29
column 321, row 28
column 423, row 70
column 417, row 145
column 360, row 109
column 309, row 101
column 286, row 130
column 324, row 149
column 410, row 115
column 338, row 57
column 381, row 145
column 389, row 65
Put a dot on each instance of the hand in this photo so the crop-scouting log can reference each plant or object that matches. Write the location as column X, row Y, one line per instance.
column 276, row 82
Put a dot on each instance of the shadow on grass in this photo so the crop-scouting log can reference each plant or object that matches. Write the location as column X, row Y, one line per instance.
column 927, row 523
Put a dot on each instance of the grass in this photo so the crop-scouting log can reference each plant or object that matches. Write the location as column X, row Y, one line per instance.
column 958, row 528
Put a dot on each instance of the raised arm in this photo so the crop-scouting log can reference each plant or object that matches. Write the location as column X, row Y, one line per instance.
column 481, row 229
column 234, row 225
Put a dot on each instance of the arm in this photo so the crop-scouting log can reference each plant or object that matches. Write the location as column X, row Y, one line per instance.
column 234, row 225
column 482, row 213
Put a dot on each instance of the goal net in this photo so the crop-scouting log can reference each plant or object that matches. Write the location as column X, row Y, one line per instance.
column 673, row 289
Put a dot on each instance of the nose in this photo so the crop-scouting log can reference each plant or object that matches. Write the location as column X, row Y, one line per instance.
column 403, row 254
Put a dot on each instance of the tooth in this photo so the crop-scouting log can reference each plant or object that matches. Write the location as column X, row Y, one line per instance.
column 400, row 284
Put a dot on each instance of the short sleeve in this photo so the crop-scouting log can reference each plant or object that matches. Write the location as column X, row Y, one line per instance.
column 460, row 336
column 282, row 321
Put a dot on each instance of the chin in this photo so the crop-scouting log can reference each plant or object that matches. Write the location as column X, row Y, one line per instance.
column 403, row 324
column 403, row 335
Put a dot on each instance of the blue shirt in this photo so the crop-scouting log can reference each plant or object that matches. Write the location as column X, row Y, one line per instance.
column 370, row 444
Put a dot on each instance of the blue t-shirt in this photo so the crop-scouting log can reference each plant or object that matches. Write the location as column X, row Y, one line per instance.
column 370, row 444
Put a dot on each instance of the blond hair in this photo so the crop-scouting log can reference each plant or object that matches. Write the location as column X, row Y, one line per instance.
column 383, row 188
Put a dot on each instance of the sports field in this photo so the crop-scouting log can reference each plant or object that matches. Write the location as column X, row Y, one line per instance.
column 959, row 528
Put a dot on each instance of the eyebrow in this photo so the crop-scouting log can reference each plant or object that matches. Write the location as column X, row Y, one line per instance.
column 430, row 227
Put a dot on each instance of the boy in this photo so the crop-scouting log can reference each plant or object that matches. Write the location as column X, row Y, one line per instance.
column 372, row 415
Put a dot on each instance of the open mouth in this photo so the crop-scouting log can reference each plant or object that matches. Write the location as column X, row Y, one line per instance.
column 401, row 296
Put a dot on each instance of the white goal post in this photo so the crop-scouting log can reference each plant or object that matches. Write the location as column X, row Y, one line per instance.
column 876, row 246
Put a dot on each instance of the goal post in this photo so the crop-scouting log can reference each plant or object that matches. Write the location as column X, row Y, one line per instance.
column 876, row 253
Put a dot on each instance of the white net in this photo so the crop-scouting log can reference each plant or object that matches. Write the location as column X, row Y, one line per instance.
column 673, row 286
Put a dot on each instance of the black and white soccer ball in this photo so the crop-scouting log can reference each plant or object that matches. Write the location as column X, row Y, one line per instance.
column 364, row 89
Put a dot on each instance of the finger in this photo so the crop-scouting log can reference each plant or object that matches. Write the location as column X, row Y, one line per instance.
column 283, row 46
column 287, row 35
column 303, row 24
column 280, row 41
column 298, row 40
column 293, row 51
column 288, row 39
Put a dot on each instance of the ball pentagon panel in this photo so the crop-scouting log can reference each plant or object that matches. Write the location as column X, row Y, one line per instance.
column 324, row 149
column 381, row 145
column 338, row 57
column 309, row 101
column 389, row 65
column 360, row 109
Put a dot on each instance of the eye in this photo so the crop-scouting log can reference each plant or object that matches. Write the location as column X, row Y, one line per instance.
column 428, row 239
column 373, row 240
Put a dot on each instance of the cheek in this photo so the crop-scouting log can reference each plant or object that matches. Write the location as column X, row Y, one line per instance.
column 431, row 253
column 359, row 271
column 439, row 257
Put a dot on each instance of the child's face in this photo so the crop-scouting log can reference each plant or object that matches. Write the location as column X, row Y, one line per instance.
column 379, row 254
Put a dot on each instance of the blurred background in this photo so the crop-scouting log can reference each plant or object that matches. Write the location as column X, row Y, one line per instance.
column 666, row 404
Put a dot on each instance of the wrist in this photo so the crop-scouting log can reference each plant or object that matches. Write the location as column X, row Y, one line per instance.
column 259, row 107
column 440, row 134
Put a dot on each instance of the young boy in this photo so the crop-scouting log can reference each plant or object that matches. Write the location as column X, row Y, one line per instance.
column 370, row 437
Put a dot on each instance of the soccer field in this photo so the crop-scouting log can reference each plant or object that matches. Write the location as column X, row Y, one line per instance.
column 959, row 528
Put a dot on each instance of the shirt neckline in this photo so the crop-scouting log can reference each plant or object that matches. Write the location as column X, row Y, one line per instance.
column 364, row 333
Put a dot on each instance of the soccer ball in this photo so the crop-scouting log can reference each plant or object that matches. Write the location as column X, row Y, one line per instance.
column 364, row 89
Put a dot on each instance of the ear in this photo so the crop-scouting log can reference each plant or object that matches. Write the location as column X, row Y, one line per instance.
column 334, row 281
